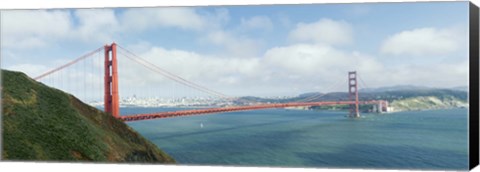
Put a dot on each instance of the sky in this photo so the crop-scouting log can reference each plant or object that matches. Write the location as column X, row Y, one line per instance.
column 267, row 50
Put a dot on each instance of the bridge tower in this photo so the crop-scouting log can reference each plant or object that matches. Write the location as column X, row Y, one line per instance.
column 353, row 94
column 111, row 81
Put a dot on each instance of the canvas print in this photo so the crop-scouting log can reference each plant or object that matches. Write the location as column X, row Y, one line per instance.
column 360, row 85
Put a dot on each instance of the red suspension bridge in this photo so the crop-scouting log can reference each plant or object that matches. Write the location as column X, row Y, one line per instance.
column 111, row 96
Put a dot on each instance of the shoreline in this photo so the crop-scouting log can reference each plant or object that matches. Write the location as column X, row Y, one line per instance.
column 303, row 108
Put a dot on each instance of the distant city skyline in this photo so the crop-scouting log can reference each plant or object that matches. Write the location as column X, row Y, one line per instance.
column 279, row 50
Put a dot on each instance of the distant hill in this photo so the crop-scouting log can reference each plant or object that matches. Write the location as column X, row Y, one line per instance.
column 394, row 88
column 409, row 87
column 400, row 98
column 460, row 88
column 43, row 123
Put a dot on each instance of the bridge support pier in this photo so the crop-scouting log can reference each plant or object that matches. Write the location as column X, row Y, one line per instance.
column 384, row 105
column 353, row 94
column 381, row 106
column 111, row 81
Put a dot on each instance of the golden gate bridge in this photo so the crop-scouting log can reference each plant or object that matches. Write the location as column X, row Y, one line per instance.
column 111, row 95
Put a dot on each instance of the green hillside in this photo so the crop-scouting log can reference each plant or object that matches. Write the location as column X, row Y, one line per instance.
column 43, row 123
column 428, row 102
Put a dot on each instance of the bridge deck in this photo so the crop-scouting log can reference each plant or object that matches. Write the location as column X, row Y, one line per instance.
column 236, row 108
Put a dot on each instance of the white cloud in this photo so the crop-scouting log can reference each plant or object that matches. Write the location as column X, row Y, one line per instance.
column 436, row 76
column 305, row 58
column 305, row 67
column 311, row 63
column 235, row 44
column 196, row 66
column 25, row 43
column 146, row 18
column 257, row 22
column 325, row 31
column 95, row 24
column 33, row 28
column 318, row 60
column 40, row 28
column 214, row 72
column 287, row 70
column 423, row 42
column 318, row 66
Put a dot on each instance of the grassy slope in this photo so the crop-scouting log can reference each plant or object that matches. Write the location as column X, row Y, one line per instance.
column 427, row 102
column 42, row 123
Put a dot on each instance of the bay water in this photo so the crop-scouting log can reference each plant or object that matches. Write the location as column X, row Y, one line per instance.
column 433, row 139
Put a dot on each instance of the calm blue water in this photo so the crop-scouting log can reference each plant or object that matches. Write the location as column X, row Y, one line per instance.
column 434, row 139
